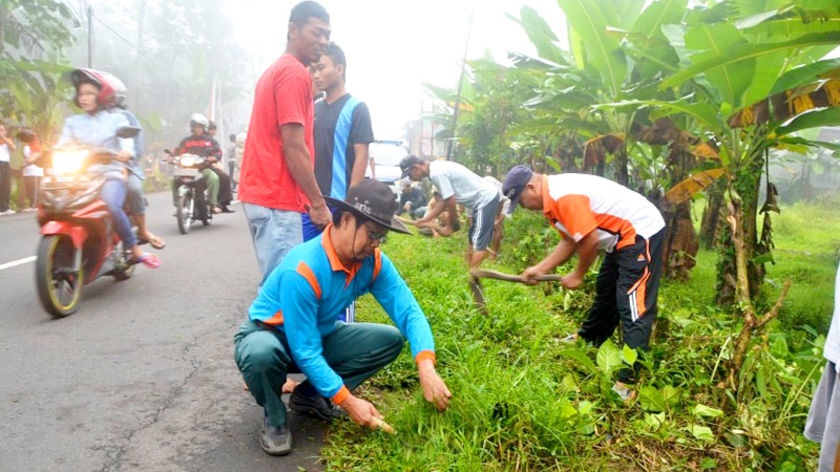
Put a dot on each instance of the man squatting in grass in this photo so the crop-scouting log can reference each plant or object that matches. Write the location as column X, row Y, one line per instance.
column 593, row 213
column 292, row 324
column 457, row 184
column 823, row 424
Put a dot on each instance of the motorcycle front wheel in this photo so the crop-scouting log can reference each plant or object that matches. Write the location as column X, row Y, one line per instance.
column 59, row 284
column 184, row 212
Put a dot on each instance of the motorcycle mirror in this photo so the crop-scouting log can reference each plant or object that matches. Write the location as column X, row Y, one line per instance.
column 128, row 132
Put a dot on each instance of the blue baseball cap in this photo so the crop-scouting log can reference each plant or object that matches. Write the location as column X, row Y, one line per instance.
column 515, row 181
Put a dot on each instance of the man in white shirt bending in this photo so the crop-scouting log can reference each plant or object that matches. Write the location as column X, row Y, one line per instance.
column 459, row 185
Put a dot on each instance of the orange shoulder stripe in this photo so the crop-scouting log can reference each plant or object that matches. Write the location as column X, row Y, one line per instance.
column 377, row 263
column 307, row 274
column 277, row 319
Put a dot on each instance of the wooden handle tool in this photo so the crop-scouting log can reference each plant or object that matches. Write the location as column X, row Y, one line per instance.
column 384, row 426
column 492, row 274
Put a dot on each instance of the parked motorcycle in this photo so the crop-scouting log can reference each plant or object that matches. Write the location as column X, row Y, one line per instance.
column 78, row 241
column 189, row 205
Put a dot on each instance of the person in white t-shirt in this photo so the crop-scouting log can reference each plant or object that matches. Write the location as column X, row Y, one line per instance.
column 32, row 174
column 823, row 423
column 459, row 185
column 6, row 147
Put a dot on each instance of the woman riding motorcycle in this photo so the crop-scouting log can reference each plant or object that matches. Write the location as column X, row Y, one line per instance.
column 97, row 127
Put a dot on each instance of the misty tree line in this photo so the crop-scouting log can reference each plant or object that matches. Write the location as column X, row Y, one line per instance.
column 168, row 53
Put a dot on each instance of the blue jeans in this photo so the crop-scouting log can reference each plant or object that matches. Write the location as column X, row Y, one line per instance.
column 136, row 200
column 274, row 232
column 113, row 194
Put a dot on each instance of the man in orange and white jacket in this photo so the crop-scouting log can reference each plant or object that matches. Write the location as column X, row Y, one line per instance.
column 593, row 213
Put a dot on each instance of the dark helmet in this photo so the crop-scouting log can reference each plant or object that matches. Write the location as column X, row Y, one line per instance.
column 107, row 93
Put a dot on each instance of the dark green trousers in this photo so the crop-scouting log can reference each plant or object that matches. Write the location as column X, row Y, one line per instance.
column 354, row 351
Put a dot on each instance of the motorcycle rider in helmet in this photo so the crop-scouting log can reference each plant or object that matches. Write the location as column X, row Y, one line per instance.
column 201, row 144
column 225, row 182
column 135, row 197
column 97, row 127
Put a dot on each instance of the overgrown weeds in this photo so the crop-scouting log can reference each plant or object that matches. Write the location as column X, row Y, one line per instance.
column 525, row 400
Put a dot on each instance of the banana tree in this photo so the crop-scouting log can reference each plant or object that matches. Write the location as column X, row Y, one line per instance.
column 762, row 83
column 619, row 51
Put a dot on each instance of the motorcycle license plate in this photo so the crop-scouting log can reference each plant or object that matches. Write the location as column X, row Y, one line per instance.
column 186, row 172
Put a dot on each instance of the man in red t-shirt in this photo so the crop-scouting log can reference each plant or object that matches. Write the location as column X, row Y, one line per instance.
column 277, row 183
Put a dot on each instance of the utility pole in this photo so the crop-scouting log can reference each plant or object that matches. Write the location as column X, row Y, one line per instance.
column 90, row 35
column 451, row 141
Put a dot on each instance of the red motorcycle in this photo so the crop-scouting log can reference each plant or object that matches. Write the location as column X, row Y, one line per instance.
column 79, row 243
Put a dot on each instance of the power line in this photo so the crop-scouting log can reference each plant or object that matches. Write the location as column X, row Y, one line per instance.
column 118, row 35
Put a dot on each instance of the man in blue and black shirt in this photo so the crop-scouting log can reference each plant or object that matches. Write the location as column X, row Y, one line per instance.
column 343, row 132
column 292, row 324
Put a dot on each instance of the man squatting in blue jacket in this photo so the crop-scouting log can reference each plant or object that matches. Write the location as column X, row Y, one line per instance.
column 293, row 327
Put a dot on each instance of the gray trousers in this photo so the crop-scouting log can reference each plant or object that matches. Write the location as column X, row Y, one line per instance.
column 823, row 424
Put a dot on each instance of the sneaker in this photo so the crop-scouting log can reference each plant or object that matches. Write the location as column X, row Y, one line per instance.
column 624, row 391
column 315, row 406
column 8, row 212
column 275, row 440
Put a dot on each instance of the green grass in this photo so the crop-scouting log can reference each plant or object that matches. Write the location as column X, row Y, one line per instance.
column 525, row 401
column 807, row 239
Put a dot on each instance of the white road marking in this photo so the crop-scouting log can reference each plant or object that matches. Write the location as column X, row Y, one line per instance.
column 18, row 262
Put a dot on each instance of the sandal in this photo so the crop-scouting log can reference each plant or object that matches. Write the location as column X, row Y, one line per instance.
column 155, row 242
column 152, row 261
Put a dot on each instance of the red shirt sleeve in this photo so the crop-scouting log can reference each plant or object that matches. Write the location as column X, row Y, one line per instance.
column 293, row 96
column 576, row 215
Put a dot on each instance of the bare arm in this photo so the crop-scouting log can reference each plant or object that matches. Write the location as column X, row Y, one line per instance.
column 300, row 166
column 559, row 256
column 358, row 173
column 587, row 250
column 439, row 208
column 9, row 142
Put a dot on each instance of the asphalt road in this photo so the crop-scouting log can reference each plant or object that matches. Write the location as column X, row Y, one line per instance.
column 142, row 376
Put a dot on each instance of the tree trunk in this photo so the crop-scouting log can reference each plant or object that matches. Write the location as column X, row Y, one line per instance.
column 744, row 296
column 3, row 14
column 710, row 221
column 140, row 55
column 621, row 173
column 744, row 195
column 681, row 246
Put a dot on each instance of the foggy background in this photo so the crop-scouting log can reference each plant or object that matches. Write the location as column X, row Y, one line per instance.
column 170, row 53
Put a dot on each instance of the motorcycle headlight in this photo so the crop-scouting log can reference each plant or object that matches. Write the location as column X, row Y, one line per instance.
column 68, row 162
column 188, row 161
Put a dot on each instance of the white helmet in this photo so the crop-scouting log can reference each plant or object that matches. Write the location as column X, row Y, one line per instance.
column 197, row 119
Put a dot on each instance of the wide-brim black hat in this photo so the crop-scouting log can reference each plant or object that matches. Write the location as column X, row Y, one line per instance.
column 373, row 200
